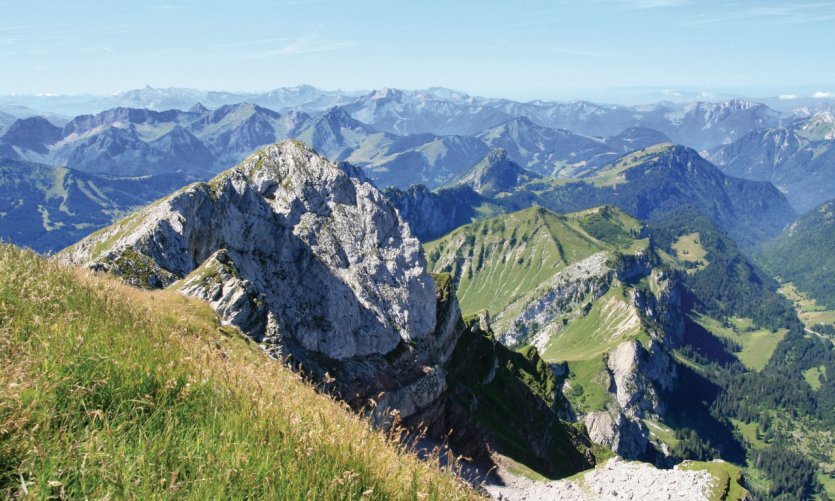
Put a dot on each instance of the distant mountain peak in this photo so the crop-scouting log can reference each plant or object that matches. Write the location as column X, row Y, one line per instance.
column 386, row 94
column 671, row 153
column 33, row 134
column 337, row 112
column 198, row 108
column 496, row 155
column 337, row 118
column 495, row 173
column 523, row 120
column 32, row 122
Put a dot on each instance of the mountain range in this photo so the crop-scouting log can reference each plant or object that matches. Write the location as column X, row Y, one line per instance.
column 554, row 282
column 648, row 184
column 131, row 142
column 798, row 158
column 549, row 324
column 447, row 112
column 162, row 99
column 312, row 263
column 47, row 208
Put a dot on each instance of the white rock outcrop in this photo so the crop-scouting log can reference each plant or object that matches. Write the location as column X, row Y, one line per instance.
column 615, row 480
column 637, row 374
column 303, row 255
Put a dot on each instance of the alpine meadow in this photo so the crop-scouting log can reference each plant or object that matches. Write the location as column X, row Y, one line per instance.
column 331, row 249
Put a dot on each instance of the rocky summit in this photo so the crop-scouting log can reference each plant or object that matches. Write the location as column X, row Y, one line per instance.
column 306, row 257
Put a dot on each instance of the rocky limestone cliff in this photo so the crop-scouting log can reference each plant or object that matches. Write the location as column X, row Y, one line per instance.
column 432, row 214
column 507, row 402
column 305, row 257
column 619, row 479
column 566, row 293
column 637, row 373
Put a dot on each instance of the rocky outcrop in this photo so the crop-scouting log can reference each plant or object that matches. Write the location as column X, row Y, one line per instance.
column 637, row 373
column 612, row 428
column 305, row 257
column 495, row 173
column 565, row 295
column 617, row 479
column 433, row 214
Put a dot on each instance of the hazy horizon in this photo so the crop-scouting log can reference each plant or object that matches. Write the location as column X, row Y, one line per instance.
column 604, row 50
column 628, row 96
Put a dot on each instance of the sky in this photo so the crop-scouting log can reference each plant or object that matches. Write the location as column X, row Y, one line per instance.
column 522, row 49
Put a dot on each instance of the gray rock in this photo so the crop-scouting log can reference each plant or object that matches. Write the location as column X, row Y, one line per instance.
column 616, row 479
column 307, row 259
column 637, row 375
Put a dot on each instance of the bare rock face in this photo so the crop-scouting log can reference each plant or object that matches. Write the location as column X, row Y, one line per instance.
column 576, row 285
column 304, row 256
column 637, row 374
column 616, row 479
column 612, row 428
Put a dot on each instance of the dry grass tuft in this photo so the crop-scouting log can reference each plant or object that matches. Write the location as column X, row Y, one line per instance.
column 111, row 392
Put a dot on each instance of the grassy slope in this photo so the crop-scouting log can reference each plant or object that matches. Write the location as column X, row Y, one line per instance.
column 729, row 284
column 108, row 391
column 588, row 380
column 611, row 319
column 689, row 250
column 499, row 260
column 728, row 485
column 757, row 344
column 813, row 376
column 502, row 261
column 613, row 174
column 512, row 394
column 584, row 342
column 804, row 254
column 809, row 311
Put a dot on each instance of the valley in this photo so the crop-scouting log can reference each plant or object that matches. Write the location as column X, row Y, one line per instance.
column 570, row 308
column 372, row 251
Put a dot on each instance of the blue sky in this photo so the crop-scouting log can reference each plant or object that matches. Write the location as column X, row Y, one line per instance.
column 523, row 49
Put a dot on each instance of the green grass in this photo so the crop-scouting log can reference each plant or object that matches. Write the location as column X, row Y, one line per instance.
column 521, row 470
column 701, row 369
column 497, row 261
column 611, row 320
column 111, row 392
column 828, row 484
column 806, row 436
column 502, row 263
column 661, row 432
column 817, row 129
column 587, row 379
column 688, row 249
column 812, row 376
column 150, row 133
column 512, row 394
column 749, row 433
column 729, row 482
column 805, row 256
column 757, row 344
column 614, row 174
column 809, row 311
